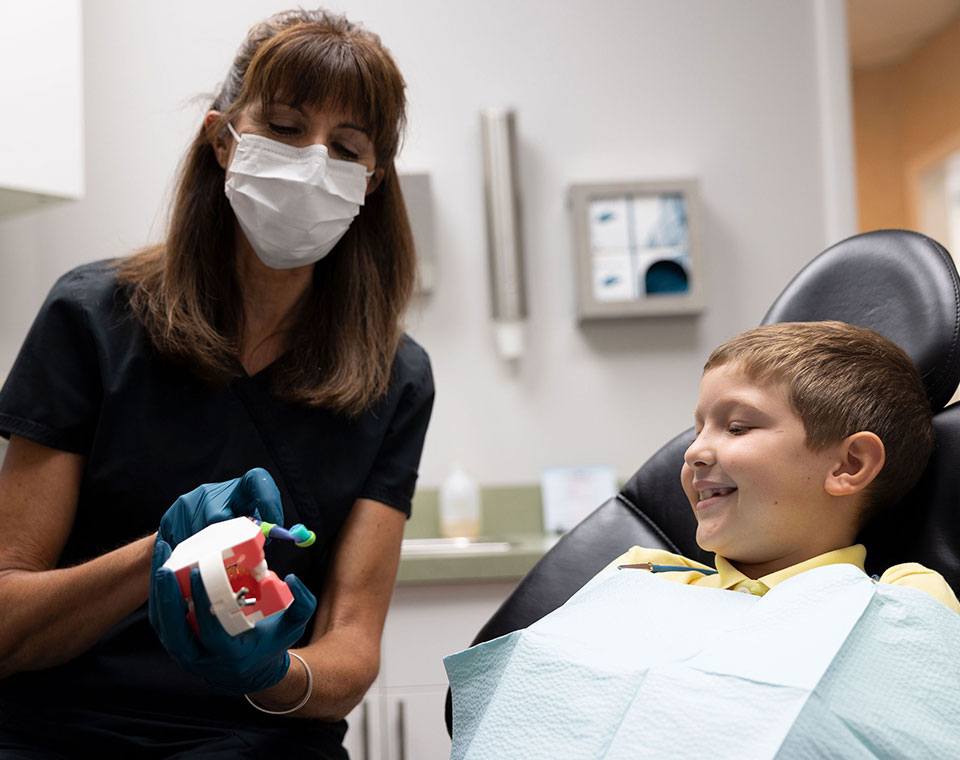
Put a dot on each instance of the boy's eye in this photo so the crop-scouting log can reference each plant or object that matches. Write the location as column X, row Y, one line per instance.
column 736, row 429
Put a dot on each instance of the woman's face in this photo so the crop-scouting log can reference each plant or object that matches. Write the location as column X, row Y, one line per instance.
column 345, row 138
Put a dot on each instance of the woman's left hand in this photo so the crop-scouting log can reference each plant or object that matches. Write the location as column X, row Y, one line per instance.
column 253, row 495
column 252, row 661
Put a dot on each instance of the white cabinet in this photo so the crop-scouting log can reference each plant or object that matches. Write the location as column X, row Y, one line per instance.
column 401, row 717
column 41, row 76
column 414, row 724
column 362, row 741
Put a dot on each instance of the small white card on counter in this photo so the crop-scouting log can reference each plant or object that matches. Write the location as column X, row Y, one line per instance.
column 571, row 493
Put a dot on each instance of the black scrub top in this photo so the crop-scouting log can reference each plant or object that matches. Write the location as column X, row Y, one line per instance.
column 87, row 380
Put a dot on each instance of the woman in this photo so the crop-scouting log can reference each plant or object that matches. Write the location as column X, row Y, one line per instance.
column 264, row 332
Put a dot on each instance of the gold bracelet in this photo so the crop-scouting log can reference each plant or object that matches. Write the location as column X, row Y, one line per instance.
column 301, row 703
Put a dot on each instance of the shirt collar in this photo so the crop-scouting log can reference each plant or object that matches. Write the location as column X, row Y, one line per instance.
column 850, row 555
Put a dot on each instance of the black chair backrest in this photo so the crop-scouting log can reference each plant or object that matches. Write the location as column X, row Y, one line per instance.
column 901, row 284
column 898, row 283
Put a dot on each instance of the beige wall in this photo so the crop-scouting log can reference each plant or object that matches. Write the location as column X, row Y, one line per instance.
column 905, row 115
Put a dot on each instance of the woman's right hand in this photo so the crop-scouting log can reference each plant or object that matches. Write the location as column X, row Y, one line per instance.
column 249, row 662
column 253, row 495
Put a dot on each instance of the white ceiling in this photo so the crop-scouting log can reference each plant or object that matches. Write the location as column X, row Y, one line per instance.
column 884, row 31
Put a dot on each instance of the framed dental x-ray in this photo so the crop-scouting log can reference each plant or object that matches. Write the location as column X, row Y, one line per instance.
column 637, row 248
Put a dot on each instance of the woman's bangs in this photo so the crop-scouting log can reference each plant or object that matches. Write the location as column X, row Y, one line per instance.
column 319, row 71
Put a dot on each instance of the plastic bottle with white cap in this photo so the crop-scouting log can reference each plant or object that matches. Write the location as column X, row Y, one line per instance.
column 459, row 505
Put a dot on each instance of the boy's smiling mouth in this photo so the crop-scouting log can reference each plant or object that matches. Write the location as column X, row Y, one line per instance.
column 709, row 494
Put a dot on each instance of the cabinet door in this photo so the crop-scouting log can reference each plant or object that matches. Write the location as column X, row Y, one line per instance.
column 41, row 62
column 414, row 724
column 426, row 623
column 363, row 739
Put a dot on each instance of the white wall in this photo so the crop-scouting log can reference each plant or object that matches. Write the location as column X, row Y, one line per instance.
column 728, row 92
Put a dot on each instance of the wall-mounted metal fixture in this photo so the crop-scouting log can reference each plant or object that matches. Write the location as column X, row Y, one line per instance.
column 504, row 239
column 418, row 198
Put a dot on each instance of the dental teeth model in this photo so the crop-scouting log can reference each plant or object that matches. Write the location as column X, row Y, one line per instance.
column 233, row 568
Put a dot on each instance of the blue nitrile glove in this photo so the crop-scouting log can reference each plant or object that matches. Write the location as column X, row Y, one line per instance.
column 253, row 495
column 253, row 661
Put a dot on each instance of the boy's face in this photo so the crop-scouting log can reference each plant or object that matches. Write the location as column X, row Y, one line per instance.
column 756, row 489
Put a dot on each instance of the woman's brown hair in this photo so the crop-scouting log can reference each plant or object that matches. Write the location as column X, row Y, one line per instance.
column 185, row 290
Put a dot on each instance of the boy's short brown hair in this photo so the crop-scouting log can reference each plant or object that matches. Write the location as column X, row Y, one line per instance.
column 844, row 379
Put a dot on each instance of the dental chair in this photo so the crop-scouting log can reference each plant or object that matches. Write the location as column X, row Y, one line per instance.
column 901, row 284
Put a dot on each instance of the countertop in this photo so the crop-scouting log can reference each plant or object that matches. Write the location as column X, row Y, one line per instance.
column 487, row 559
column 512, row 539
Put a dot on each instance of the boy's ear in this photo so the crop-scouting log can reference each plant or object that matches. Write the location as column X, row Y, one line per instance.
column 861, row 457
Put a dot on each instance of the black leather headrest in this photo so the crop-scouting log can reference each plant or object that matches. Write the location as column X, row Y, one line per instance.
column 925, row 526
column 901, row 284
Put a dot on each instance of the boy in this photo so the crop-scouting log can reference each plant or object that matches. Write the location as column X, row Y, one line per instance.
column 805, row 431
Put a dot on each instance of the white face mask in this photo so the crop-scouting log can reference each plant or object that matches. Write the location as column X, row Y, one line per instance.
column 293, row 204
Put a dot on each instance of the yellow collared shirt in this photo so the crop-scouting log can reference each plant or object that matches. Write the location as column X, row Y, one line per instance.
column 909, row 574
